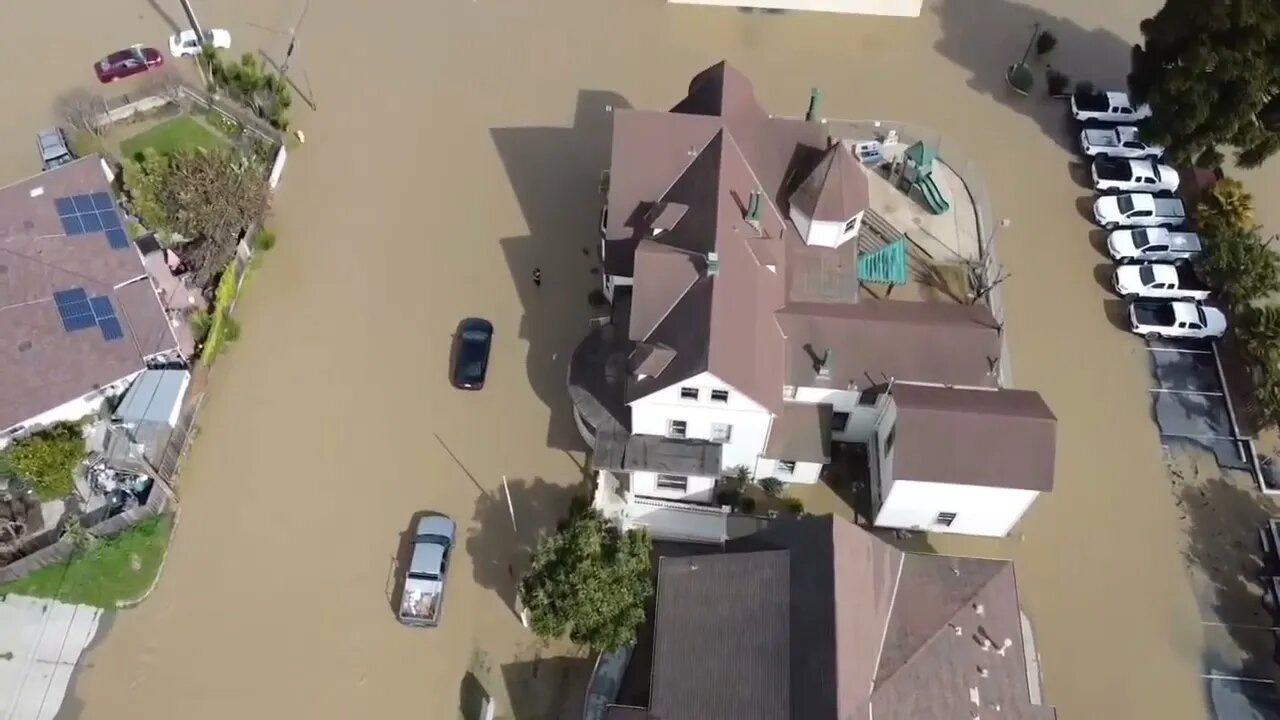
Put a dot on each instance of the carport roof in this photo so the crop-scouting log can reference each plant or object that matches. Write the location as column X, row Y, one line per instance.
column 994, row 438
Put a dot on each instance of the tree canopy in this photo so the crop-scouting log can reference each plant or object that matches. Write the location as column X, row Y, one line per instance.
column 1208, row 68
column 45, row 460
column 1240, row 263
column 207, row 195
column 590, row 581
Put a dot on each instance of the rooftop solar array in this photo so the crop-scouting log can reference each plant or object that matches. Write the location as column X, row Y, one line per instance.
column 80, row 312
column 91, row 213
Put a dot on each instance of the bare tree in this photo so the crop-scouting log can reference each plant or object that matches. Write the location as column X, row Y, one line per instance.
column 983, row 278
column 82, row 110
column 166, row 83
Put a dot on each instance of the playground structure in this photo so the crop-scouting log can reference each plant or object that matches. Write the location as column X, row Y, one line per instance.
column 913, row 172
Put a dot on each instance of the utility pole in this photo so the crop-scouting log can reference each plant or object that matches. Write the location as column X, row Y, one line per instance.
column 293, row 38
column 191, row 17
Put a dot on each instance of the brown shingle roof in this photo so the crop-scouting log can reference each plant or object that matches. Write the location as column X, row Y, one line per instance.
column 868, row 627
column 836, row 190
column 802, row 431
column 996, row 438
column 42, row 365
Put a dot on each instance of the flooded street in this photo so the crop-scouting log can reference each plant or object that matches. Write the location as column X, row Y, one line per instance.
column 455, row 146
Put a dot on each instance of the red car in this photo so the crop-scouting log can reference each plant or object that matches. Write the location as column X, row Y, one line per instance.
column 127, row 62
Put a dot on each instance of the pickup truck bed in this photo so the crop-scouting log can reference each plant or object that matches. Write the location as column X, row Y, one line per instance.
column 1093, row 102
column 1188, row 279
column 1113, row 169
column 1153, row 313
column 420, row 602
column 1102, row 137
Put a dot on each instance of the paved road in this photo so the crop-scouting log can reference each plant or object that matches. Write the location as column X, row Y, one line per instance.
column 456, row 146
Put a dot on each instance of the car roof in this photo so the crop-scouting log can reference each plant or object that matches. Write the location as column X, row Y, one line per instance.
column 51, row 143
column 427, row 558
column 436, row 525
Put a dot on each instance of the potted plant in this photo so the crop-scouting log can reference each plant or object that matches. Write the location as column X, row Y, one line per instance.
column 1045, row 43
column 1058, row 83
column 1020, row 78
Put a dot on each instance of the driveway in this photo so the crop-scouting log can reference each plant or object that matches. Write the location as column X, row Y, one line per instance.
column 457, row 145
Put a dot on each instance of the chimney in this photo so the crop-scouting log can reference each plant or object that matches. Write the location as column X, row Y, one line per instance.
column 983, row 672
column 824, row 368
column 713, row 264
column 812, row 113
column 978, row 608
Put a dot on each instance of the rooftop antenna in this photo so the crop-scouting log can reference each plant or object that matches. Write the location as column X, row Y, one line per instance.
column 753, row 209
column 824, row 368
column 812, row 113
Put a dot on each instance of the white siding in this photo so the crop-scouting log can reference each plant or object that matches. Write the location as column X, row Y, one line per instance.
column 87, row 404
column 989, row 511
column 699, row 489
column 899, row 8
column 652, row 414
column 862, row 418
column 805, row 473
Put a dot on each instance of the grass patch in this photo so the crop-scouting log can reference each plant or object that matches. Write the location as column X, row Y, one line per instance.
column 180, row 133
column 222, row 327
column 84, row 143
column 119, row 568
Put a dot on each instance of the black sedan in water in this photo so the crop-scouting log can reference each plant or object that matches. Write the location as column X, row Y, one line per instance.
column 471, row 353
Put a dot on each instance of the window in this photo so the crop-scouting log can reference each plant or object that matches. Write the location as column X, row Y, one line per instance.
column 789, row 392
column 868, row 398
column 719, row 396
column 674, row 482
column 849, row 226
column 721, row 432
column 677, row 428
column 945, row 519
column 688, row 393
column 888, row 441
column 786, row 467
column 839, row 421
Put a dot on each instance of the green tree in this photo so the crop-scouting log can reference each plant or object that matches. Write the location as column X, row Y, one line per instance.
column 1258, row 332
column 1240, row 264
column 1207, row 69
column 145, row 180
column 45, row 459
column 590, row 581
column 1226, row 205
column 1265, row 400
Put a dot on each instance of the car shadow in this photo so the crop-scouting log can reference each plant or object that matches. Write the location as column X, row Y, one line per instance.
column 1117, row 311
column 1104, row 275
column 1098, row 239
column 1081, row 174
column 1084, row 206
column 555, row 173
column 986, row 36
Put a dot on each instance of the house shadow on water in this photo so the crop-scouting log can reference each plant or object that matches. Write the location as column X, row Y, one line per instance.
column 986, row 36
column 555, row 173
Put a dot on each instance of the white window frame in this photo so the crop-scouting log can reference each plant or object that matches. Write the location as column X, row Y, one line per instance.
column 684, row 429
column 673, row 482
column 723, row 396
column 840, row 428
column 786, row 467
column 726, row 436
column 697, row 394
column 945, row 519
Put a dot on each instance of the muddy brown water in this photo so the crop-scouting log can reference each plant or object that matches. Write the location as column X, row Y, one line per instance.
column 455, row 146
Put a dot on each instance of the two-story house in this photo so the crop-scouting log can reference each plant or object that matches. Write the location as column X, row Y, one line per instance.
column 740, row 336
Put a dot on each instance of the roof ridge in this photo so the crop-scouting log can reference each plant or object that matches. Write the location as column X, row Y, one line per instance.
column 876, row 682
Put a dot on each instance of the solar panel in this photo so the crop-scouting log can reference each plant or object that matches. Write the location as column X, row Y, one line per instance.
column 117, row 239
column 102, row 308
column 71, row 323
column 84, row 203
column 102, row 201
column 64, row 205
column 66, row 297
column 91, row 222
column 109, row 219
column 71, row 225
column 111, row 329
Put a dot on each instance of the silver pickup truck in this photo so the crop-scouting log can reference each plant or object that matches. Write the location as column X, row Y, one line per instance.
column 422, row 599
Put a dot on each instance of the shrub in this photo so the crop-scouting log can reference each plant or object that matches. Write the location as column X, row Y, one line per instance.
column 772, row 486
column 45, row 459
column 1241, row 265
column 728, row 496
column 230, row 329
column 794, row 505
column 1046, row 42
column 1020, row 78
column 1057, row 82
column 747, row 505
column 1258, row 332
column 201, row 322
column 265, row 240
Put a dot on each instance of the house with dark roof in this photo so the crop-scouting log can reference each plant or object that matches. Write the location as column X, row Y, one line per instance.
column 79, row 315
column 741, row 335
column 817, row 619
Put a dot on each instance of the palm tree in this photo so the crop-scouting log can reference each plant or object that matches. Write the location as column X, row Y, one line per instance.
column 1258, row 332
column 1241, row 264
column 1226, row 205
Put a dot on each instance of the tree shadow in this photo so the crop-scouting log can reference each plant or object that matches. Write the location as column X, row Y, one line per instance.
column 1228, row 571
column 165, row 16
column 986, row 36
column 546, row 688
column 500, row 552
column 555, row 173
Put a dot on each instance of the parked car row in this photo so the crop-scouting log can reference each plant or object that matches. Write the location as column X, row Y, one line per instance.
column 1153, row 252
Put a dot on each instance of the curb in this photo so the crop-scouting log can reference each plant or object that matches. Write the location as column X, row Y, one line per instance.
column 126, row 604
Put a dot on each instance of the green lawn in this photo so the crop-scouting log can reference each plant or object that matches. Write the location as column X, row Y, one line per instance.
column 119, row 568
column 180, row 133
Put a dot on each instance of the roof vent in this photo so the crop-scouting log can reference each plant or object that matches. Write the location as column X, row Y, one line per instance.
column 1004, row 646
column 973, row 695
column 956, row 628
column 983, row 672
column 824, row 367
column 24, row 346
column 713, row 264
column 978, row 608
column 37, row 191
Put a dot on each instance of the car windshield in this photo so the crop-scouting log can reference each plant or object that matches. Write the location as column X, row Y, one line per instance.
column 1140, row 239
column 1147, row 275
column 1204, row 321
column 1125, row 203
column 476, row 336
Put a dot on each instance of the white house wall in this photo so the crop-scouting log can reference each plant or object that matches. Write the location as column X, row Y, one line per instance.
column 805, row 472
column 699, row 489
column 87, row 404
column 989, row 511
column 862, row 418
column 897, row 8
column 651, row 415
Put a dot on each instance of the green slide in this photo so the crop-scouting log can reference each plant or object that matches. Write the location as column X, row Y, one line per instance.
column 932, row 196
